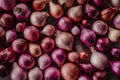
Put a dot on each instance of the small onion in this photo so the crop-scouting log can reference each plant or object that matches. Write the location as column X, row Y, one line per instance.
column 73, row 57
column 116, row 21
column 2, row 32
column 115, row 53
column 99, row 75
column 99, row 3
column 85, row 22
column 83, row 55
column 75, row 30
column 20, row 26
column 115, row 4
column 84, row 77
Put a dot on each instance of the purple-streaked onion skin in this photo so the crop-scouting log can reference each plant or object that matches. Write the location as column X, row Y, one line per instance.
column 6, row 20
column 2, row 32
column 99, row 75
column 20, row 26
column 73, row 56
column 116, row 21
column 87, row 36
column 24, row 1
column 58, row 56
column 18, row 73
column 86, row 67
column 75, row 30
column 84, row 77
column 7, row 5
column 115, row 53
column 103, row 44
column 44, row 61
column 26, row 61
column 19, row 45
column 7, row 55
column 38, row 18
column 99, row 3
column 115, row 66
column 52, row 73
column 91, row 11
column 10, row 35
column 47, row 44
column 64, row 24
column 100, row 27
column 21, row 11
column 31, row 33
column 64, row 40
column 35, row 74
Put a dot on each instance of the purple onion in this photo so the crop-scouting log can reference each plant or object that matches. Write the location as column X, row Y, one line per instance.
column 103, row 44
column 116, row 21
column 115, row 52
column 44, row 61
column 52, row 73
column 20, row 26
column 99, row 75
column 21, row 11
column 64, row 24
column 2, row 31
column 58, row 56
column 115, row 4
column 10, row 35
column 75, row 30
column 99, row 3
column 19, row 45
column 26, row 61
column 84, row 77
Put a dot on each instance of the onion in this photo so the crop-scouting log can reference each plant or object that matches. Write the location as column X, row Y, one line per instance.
column 75, row 30
column 38, row 18
column 115, row 66
column 64, row 40
column 84, row 77
column 88, row 37
column 7, row 4
column 20, row 26
column 24, row 1
column 114, row 35
column 18, row 73
column 56, row 10
column 98, row 59
column 48, row 30
column 31, row 33
column 66, row 3
column 2, row 32
column 35, row 50
column 91, row 11
column 52, row 73
column 64, row 24
column 85, row 22
column 115, row 53
column 116, row 21
column 83, row 55
column 69, row 71
column 99, row 3
column 21, row 11
column 103, row 44
column 19, row 45
column 73, row 57
column 99, row 75
column 47, row 44
column 115, row 4
column 44, row 61
column 35, row 74
column 26, row 61
column 75, row 13
column 81, row 1
column 6, row 20
column 58, row 56
column 10, row 35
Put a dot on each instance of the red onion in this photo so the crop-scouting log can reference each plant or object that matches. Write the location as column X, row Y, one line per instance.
column 7, row 4
column 69, row 71
column 56, row 10
column 115, row 66
column 7, row 55
column 115, row 4
column 47, row 44
column 75, row 30
column 26, row 61
column 48, row 30
column 38, row 18
column 116, row 21
column 24, row 0
column 73, row 57
column 21, row 11
column 83, row 55
column 20, row 26
column 6, row 20
column 91, row 11
column 35, row 74
column 87, row 36
column 2, row 32
column 67, row 3
column 85, row 22
column 86, row 67
column 19, row 45
column 99, row 75
column 58, row 56
column 64, row 24
column 98, row 59
column 84, row 77
column 115, row 53
column 99, row 3
column 18, row 73
column 35, row 50
column 64, row 40
column 10, row 35
column 81, row 1
column 52, row 73
column 44, row 61
column 75, row 13
column 31, row 33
